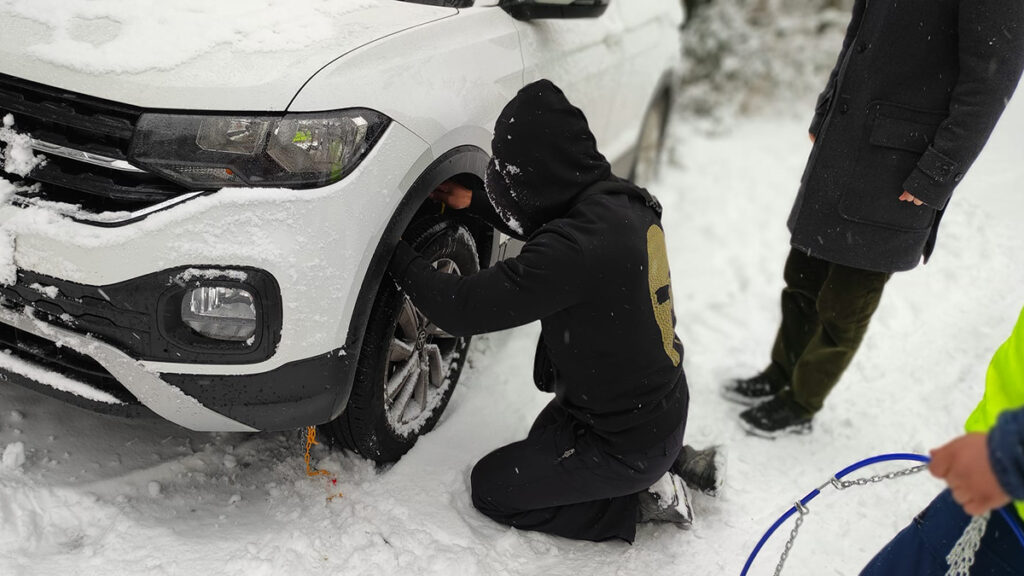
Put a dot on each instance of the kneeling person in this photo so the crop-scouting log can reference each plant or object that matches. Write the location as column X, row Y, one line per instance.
column 594, row 270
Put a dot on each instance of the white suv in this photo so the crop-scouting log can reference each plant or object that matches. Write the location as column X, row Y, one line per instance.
column 207, row 235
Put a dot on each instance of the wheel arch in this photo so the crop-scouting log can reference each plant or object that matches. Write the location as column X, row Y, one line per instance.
column 665, row 91
column 468, row 162
column 668, row 88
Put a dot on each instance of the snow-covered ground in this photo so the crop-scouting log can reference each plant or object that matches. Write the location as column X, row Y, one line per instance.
column 86, row 494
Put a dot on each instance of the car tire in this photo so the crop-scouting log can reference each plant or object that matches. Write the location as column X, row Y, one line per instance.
column 408, row 367
column 650, row 145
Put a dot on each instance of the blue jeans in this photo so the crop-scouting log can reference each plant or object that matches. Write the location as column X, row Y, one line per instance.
column 920, row 549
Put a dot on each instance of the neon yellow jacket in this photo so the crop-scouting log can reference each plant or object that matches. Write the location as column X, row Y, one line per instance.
column 1001, row 414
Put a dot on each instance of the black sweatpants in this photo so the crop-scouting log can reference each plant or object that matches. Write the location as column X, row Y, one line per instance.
column 561, row 481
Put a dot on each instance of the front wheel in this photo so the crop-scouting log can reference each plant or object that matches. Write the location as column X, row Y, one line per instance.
column 408, row 366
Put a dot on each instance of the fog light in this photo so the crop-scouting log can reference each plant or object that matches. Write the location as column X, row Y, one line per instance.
column 220, row 312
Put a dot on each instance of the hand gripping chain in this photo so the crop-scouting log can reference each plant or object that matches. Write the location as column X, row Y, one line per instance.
column 960, row 558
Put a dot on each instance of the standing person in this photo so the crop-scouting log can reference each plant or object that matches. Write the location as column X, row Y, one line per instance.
column 918, row 88
column 594, row 271
column 984, row 470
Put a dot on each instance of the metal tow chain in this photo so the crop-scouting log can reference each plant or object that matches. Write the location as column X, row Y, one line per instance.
column 792, row 536
column 839, row 485
column 961, row 557
column 844, row 484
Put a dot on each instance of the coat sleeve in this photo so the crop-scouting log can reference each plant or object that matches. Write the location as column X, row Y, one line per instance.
column 991, row 44
column 826, row 96
column 1006, row 452
column 547, row 276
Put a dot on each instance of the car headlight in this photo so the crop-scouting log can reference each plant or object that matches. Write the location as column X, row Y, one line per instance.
column 291, row 151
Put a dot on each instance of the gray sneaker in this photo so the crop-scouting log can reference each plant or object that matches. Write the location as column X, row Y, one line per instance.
column 667, row 501
column 702, row 470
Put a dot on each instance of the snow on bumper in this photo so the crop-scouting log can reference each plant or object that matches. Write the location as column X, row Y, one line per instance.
column 159, row 396
column 317, row 244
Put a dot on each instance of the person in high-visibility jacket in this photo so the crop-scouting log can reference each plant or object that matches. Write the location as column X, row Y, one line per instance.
column 985, row 471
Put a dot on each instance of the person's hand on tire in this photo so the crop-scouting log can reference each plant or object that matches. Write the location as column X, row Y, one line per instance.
column 454, row 195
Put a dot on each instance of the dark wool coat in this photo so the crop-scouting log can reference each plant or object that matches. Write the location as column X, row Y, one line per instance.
column 915, row 94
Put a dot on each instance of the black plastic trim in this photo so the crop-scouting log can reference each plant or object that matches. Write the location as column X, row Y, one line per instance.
column 443, row 3
column 530, row 10
column 133, row 315
column 62, row 360
column 66, row 108
column 294, row 395
column 297, row 394
column 133, row 191
column 269, row 314
column 138, row 218
column 127, row 410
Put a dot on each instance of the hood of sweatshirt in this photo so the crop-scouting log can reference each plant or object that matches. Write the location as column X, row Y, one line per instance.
column 543, row 156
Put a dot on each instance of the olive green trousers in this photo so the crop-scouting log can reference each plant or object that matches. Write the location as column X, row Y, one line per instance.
column 826, row 309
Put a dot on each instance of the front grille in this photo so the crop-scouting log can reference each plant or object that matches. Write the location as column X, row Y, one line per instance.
column 85, row 124
column 82, row 309
column 62, row 360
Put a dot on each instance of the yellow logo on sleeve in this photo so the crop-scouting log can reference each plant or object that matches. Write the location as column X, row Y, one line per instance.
column 659, row 281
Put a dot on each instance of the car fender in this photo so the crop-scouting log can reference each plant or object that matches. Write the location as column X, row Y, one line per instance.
column 445, row 81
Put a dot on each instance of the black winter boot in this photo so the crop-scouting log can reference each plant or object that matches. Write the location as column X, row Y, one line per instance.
column 702, row 470
column 778, row 416
column 752, row 391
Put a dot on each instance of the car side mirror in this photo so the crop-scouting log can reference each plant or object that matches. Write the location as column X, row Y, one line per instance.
column 534, row 9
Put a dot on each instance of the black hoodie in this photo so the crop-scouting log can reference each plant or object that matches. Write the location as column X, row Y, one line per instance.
column 594, row 271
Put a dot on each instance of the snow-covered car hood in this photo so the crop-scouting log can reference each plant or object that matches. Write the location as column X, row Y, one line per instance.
column 192, row 54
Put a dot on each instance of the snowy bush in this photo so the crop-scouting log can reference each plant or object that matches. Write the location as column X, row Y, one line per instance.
column 742, row 56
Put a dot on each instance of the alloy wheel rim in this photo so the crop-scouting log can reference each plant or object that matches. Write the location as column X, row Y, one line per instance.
column 420, row 358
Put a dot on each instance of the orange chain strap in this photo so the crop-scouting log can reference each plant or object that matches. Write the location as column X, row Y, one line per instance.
column 310, row 470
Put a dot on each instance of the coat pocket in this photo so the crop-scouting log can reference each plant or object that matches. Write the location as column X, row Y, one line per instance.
column 903, row 128
column 897, row 137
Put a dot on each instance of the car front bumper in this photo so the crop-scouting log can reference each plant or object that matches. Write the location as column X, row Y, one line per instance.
column 162, row 398
column 316, row 244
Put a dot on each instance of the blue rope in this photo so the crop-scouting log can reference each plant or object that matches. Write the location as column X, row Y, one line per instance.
column 840, row 475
